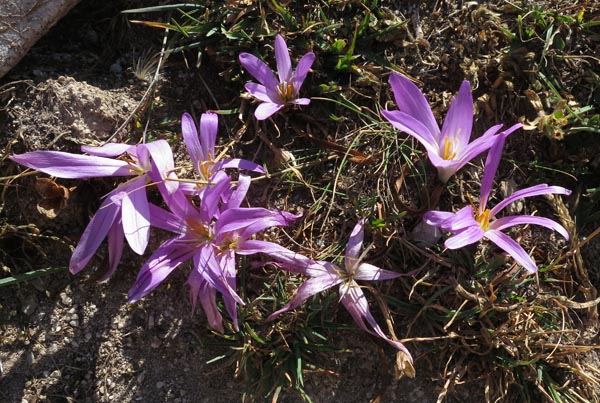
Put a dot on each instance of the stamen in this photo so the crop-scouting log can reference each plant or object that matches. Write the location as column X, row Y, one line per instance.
column 286, row 91
column 198, row 230
column 483, row 219
column 449, row 152
column 205, row 169
column 471, row 201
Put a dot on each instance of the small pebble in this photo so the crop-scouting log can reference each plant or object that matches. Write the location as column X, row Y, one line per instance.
column 30, row 358
column 159, row 385
column 65, row 299
column 30, row 304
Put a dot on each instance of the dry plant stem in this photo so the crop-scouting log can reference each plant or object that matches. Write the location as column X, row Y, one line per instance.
column 452, row 378
column 403, row 366
column 586, row 287
column 146, row 96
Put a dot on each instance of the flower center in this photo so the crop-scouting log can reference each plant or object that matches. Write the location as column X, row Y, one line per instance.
column 230, row 243
column 133, row 163
column 449, row 148
column 198, row 230
column 205, row 169
column 286, row 91
column 483, row 219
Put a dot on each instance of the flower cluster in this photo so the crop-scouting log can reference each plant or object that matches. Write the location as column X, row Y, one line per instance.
column 209, row 231
column 449, row 150
column 210, row 227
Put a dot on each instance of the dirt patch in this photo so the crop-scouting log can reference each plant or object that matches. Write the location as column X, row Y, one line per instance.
column 65, row 338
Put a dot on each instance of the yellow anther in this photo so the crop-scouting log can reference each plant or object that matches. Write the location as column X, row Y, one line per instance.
column 205, row 169
column 449, row 152
column 483, row 219
column 198, row 230
column 231, row 243
column 286, row 91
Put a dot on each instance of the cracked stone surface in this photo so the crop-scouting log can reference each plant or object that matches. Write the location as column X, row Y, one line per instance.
column 23, row 23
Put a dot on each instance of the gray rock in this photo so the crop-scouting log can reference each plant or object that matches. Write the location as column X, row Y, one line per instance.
column 30, row 303
column 23, row 23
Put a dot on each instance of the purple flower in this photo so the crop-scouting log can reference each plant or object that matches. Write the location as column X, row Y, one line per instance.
column 124, row 213
column 324, row 275
column 275, row 94
column 210, row 235
column 448, row 149
column 470, row 224
column 201, row 148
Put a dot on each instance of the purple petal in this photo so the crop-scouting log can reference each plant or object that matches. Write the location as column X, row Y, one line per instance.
column 411, row 101
column 248, row 221
column 368, row 272
column 415, row 128
column 301, row 101
column 209, row 125
column 209, row 205
column 310, row 287
column 238, row 163
column 477, row 146
column 67, row 165
column 260, row 92
column 238, row 195
column 259, row 70
column 135, row 214
column 282, row 58
column 491, row 165
column 227, row 263
column 291, row 261
column 436, row 217
column 466, row 237
column 354, row 245
column 511, row 247
column 191, row 140
column 266, row 110
column 536, row 190
column 94, row 234
column 108, row 150
column 302, row 69
column 116, row 239
column 208, row 300
column 355, row 302
column 510, row 221
column 166, row 220
column 162, row 262
column 182, row 210
column 212, row 271
column 162, row 163
column 200, row 289
column 273, row 219
column 462, row 219
column 459, row 119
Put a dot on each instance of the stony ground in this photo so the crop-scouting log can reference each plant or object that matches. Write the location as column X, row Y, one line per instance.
column 70, row 339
